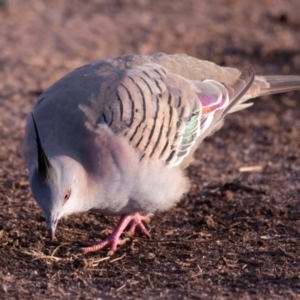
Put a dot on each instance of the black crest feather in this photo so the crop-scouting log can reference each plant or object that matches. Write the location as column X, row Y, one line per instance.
column 43, row 161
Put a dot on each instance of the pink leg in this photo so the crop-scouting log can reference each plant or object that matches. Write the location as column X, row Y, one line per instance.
column 114, row 240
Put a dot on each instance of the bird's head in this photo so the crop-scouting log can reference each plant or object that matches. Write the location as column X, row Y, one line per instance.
column 54, row 183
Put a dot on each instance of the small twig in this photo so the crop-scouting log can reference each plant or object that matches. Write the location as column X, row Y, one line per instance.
column 101, row 259
column 150, row 282
column 195, row 275
column 198, row 274
column 52, row 254
column 95, row 263
column 120, row 288
column 250, row 169
column 199, row 268
column 40, row 255
column 119, row 258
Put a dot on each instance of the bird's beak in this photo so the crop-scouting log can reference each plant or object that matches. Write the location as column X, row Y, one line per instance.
column 51, row 233
column 51, row 225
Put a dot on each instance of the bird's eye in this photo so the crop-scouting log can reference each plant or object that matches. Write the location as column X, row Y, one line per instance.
column 67, row 196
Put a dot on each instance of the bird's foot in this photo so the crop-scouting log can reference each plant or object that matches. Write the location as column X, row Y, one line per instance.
column 136, row 223
column 127, row 221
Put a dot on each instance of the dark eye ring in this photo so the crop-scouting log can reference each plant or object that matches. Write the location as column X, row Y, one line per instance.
column 67, row 196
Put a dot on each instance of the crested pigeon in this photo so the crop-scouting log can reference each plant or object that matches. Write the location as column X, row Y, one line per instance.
column 115, row 136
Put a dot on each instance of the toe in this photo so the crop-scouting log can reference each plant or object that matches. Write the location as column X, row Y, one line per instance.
column 96, row 246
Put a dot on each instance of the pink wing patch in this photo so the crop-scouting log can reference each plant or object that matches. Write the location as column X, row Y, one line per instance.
column 211, row 103
column 213, row 96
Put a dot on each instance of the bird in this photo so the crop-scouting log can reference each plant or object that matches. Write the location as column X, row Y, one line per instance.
column 116, row 136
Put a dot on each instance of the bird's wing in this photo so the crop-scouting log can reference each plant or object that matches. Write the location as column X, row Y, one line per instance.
column 162, row 114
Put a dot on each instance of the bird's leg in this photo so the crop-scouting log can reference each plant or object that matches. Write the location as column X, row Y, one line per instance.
column 133, row 221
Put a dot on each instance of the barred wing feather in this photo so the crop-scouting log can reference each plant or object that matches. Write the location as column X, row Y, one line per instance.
column 163, row 114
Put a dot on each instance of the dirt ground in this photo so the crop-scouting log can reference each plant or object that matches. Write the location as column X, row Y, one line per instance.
column 236, row 234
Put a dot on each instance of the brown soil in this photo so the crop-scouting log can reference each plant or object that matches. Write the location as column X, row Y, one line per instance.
column 236, row 234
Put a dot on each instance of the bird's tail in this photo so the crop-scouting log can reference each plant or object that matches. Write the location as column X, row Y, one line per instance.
column 250, row 86
column 273, row 84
